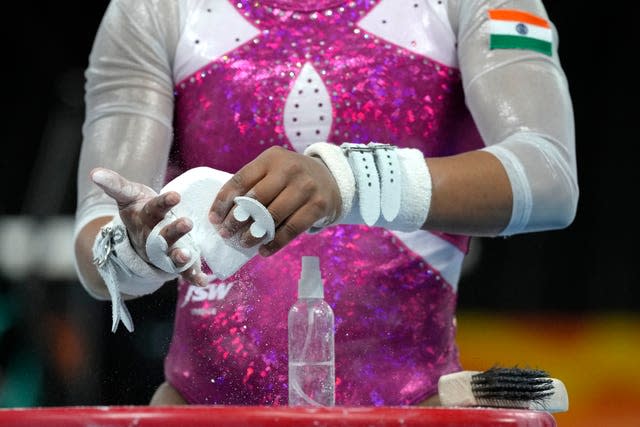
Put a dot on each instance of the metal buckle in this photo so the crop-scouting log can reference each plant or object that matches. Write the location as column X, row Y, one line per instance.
column 110, row 237
column 371, row 147
column 380, row 146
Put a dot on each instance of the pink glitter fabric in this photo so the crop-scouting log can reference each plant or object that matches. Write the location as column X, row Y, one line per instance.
column 395, row 333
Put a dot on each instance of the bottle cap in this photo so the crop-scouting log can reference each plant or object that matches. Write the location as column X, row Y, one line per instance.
column 310, row 283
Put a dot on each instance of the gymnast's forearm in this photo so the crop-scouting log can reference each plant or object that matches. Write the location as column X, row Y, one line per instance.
column 471, row 195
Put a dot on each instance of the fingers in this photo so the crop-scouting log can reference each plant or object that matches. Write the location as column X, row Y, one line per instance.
column 175, row 230
column 265, row 191
column 123, row 191
column 193, row 274
column 292, row 227
column 157, row 208
column 281, row 208
column 181, row 255
column 240, row 184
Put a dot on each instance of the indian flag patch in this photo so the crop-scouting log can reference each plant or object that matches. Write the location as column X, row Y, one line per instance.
column 516, row 29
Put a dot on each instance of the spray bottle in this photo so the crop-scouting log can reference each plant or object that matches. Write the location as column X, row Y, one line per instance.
column 311, row 341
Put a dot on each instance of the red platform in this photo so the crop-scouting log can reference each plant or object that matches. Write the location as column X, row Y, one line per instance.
column 251, row 416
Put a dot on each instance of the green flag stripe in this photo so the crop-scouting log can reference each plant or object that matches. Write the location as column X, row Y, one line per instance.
column 517, row 42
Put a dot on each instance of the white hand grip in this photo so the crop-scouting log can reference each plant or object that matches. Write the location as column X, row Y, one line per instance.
column 263, row 225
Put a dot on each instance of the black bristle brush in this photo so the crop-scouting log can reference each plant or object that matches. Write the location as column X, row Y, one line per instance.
column 499, row 387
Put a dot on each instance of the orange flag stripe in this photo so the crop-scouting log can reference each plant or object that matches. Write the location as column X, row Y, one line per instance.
column 517, row 15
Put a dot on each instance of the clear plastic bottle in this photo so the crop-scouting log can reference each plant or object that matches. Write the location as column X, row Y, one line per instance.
column 311, row 341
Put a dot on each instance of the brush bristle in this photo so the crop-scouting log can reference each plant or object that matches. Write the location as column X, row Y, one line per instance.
column 511, row 387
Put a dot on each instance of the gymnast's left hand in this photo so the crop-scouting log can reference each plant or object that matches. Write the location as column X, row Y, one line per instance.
column 297, row 190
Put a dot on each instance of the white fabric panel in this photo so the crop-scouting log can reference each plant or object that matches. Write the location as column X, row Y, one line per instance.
column 533, row 161
column 420, row 26
column 212, row 29
column 307, row 110
column 520, row 187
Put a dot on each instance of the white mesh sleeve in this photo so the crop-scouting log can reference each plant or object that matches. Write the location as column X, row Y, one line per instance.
column 129, row 101
column 521, row 104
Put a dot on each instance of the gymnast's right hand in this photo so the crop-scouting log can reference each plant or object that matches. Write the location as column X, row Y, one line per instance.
column 141, row 208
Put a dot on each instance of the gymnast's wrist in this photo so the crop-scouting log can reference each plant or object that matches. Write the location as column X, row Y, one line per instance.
column 333, row 158
column 342, row 203
column 118, row 261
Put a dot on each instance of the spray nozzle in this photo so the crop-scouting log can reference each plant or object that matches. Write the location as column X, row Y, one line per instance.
column 310, row 283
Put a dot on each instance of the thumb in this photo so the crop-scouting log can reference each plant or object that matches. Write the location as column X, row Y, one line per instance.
column 119, row 188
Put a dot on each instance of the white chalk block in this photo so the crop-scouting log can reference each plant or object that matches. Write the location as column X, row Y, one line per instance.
column 198, row 188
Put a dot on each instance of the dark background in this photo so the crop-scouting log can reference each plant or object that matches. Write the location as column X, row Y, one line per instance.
column 60, row 337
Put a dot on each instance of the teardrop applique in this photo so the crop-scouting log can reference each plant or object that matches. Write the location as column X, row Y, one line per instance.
column 307, row 111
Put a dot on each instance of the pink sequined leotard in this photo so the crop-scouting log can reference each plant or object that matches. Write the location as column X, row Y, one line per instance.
column 187, row 83
column 290, row 75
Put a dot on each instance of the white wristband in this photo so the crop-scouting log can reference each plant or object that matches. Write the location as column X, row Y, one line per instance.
column 123, row 270
column 377, row 179
column 338, row 165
